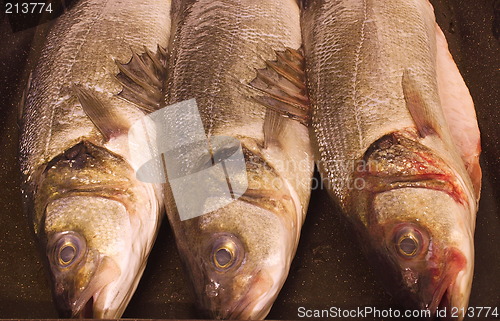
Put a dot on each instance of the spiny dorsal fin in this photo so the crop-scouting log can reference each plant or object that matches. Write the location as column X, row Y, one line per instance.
column 283, row 88
column 107, row 121
column 143, row 79
column 418, row 107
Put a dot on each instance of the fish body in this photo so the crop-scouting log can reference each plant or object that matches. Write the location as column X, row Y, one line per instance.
column 95, row 221
column 239, row 255
column 381, row 126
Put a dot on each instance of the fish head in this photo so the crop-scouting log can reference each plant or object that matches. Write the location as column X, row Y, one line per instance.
column 423, row 241
column 95, row 224
column 238, row 256
column 239, row 260
column 91, row 256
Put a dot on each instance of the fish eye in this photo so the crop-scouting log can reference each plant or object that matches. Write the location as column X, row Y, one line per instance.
column 67, row 254
column 226, row 252
column 408, row 245
column 67, row 249
column 223, row 257
column 408, row 242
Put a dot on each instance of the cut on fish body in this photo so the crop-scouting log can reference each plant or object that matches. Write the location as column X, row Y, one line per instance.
column 96, row 221
column 386, row 128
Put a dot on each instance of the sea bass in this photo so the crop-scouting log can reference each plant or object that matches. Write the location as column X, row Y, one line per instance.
column 95, row 221
column 235, row 58
column 391, row 118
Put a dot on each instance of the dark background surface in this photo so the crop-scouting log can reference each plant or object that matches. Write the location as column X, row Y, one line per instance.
column 329, row 269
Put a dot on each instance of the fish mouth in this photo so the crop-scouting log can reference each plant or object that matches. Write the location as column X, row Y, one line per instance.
column 454, row 298
column 452, row 291
column 90, row 303
column 253, row 305
column 441, row 296
column 87, row 312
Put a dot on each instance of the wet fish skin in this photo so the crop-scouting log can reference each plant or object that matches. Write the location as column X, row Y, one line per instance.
column 94, row 219
column 259, row 232
column 377, row 121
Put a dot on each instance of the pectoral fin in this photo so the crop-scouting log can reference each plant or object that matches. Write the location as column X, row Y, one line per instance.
column 420, row 108
column 143, row 79
column 108, row 121
column 283, row 91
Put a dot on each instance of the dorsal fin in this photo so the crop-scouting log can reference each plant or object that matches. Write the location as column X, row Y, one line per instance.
column 107, row 121
column 143, row 79
column 283, row 87
column 419, row 108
